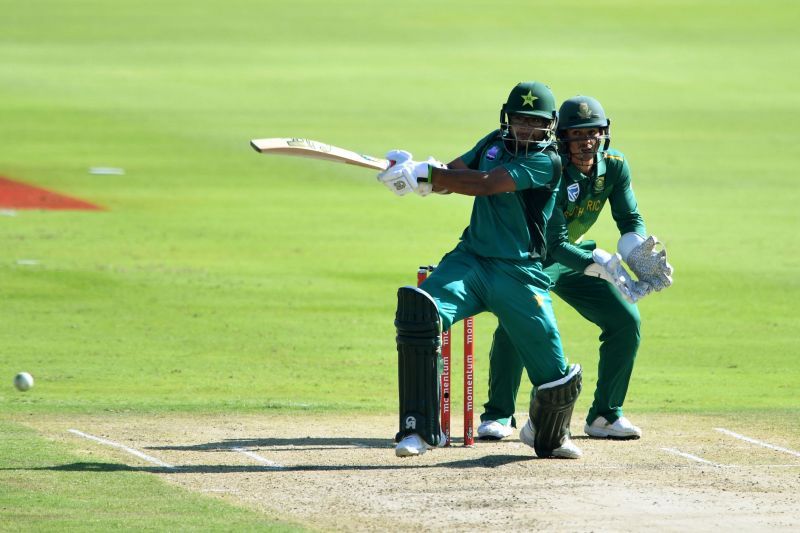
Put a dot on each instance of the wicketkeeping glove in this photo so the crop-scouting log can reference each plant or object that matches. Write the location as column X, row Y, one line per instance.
column 649, row 265
column 609, row 267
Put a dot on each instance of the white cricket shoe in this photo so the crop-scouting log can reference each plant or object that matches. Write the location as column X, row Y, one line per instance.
column 494, row 430
column 413, row 444
column 620, row 429
column 410, row 446
column 567, row 450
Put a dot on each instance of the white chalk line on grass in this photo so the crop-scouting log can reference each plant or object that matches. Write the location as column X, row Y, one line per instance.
column 757, row 442
column 137, row 453
column 691, row 457
column 260, row 459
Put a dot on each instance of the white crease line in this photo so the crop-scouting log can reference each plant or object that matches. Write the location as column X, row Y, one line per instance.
column 689, row 456
column 137, row 453
column 764, row 466
column 758, row 442
column 253, row 455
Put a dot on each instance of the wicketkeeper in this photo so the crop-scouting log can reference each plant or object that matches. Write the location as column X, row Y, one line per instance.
column 513, row 173
column 593, row 176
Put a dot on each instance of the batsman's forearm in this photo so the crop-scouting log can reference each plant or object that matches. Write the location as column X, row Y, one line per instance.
column 471, row 182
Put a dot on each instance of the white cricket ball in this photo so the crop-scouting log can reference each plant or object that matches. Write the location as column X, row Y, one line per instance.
column 23, row 381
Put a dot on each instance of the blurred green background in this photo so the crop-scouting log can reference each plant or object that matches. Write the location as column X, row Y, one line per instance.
column 218, row 279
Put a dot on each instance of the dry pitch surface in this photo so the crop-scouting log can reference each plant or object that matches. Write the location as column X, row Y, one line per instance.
column 341, row 473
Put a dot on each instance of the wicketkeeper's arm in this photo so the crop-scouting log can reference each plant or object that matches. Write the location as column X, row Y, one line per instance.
column 623, row 204
column 558, row 245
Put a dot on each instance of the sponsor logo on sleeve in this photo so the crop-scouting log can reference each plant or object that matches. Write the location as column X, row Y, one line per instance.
column 573, row 191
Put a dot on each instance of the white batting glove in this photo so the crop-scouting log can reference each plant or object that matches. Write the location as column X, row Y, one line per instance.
column 404, row 174
column 394, row 177
column 609, row 267
column 396, row 157
column 648, row 265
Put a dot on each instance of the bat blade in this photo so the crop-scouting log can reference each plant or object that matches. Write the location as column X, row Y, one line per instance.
column 316, row 150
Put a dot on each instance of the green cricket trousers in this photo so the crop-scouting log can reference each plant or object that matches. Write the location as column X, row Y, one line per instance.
column 600, row 303
column 464, row 284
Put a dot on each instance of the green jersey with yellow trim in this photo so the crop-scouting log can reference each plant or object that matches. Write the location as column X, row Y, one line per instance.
column 579, row 202
column 512, row 225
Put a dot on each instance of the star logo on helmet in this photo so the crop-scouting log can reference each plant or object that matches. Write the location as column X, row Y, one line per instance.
column 528, row 99
column 583, row 111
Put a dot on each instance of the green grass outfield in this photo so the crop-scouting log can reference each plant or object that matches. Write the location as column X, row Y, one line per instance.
column 221, row 280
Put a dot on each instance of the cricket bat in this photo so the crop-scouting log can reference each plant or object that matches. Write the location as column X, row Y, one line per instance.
column 316, row 150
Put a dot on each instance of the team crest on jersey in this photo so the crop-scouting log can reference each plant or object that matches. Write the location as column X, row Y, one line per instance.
column 491, row 153
column 599, row 184
column 573, row 191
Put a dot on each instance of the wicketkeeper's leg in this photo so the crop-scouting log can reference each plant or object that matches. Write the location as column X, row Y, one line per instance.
column 619, row 323
column 505, row 375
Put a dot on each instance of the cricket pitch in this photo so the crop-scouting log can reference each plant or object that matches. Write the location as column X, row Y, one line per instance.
column 339, row 472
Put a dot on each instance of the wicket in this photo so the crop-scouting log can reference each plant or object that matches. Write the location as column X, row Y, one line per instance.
column 469, row 370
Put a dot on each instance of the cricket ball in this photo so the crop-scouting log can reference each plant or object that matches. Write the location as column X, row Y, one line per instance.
column 23, row 381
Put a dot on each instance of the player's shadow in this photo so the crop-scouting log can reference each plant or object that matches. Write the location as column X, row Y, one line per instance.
column 289, row 444
column 282, row 444
column 489, row 461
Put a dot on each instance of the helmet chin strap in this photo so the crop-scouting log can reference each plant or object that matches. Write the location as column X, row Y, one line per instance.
column 584, row 165
column 540, row 145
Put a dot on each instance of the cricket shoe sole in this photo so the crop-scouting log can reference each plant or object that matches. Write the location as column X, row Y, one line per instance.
column 567, row 450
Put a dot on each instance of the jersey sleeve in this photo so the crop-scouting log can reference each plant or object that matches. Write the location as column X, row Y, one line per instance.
column 532, row 173
column 623, row 203
column 558, row 246
column 473, row 157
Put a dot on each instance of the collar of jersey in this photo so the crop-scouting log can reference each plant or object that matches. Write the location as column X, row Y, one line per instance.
column 577, row 175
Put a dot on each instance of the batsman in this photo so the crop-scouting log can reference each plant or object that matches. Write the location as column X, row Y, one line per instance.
column 513, row 173
column 593, row 176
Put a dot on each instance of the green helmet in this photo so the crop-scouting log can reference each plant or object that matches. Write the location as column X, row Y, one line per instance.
column 583, row 112
column 531, row 99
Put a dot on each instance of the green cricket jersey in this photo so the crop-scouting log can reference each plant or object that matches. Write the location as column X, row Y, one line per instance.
column 511, row 225
column 579, row 202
